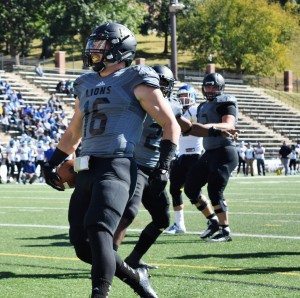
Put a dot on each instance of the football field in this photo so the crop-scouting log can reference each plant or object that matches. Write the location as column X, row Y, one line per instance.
column 263, row 260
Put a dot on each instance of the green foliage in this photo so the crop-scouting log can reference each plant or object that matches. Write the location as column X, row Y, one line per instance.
column 249, row 36
column 78, row 18
column 20, row 23
column 62, row 22
column 158, row 18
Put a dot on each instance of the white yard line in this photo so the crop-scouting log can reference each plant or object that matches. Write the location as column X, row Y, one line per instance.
column 30, row 208
column 139, row 230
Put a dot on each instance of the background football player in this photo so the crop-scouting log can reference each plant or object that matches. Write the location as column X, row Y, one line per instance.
column 189, row 151
column 219, row 159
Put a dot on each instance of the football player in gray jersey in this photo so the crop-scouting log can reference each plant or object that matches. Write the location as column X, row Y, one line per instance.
column 110, row 108
column 155, row 200
column 215, row 166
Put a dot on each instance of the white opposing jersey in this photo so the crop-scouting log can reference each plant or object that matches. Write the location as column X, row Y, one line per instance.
column 190, row 144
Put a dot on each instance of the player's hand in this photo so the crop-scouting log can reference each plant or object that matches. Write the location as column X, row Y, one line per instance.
column 230, row 133
column 51, row 177
column 158, row 180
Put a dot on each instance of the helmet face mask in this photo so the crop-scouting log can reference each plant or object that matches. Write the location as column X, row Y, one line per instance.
column 166, row 79
column 213, row 85
column 186, row 95
column 109, row 43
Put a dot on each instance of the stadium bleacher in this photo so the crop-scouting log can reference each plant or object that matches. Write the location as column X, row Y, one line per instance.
column 261, row 117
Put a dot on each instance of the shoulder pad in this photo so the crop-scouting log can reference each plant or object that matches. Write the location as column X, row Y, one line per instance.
column 144, row 70
column 225, row 98
column 79, row 80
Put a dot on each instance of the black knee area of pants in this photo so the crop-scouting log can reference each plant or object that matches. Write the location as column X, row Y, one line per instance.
column 152, row 230
column 78, row 238
column 192, row 194
column 162, row 221
column 83, row 252
column 176, row 196
column 130, row 213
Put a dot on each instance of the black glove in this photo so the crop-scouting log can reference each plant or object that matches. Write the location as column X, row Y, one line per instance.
column 158, row 180
column 51, row 177
column 49, row 171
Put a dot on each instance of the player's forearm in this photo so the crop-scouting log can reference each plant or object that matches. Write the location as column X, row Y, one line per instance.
column 220, row 125
column 171, row 131
column 198, row 130
column 69, row 141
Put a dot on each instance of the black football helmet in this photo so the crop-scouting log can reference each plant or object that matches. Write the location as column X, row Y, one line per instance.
column 115, row 42
column 216, row 81
column 166, row 79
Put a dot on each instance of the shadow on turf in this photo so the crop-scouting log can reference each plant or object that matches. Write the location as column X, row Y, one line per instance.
column 252, row 255
column 219, row 280
column 257, row 270
column 8, row 274
column 64, row 237
column 88, row 271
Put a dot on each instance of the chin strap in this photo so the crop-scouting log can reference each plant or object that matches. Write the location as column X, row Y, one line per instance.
column 99, row 66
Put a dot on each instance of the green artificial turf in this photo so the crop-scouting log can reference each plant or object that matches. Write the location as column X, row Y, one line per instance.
column 263, row 260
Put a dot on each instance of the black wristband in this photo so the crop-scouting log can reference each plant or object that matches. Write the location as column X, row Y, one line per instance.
column 58, row 157
column 167, row 153
column 214, row 132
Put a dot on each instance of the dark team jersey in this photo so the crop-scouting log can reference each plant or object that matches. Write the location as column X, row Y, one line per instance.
column 147, row 150
column 212, row 112
column 112, row 115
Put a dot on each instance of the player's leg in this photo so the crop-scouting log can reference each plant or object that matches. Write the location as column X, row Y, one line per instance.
column 177, row 179
column 110, row 186
column 222, row 162
column 159, row 211
column 195, row 180
column 110, row 194
column 131, row 209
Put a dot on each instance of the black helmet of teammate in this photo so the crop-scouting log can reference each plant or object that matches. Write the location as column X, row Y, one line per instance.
column 166, row 79
column 115, row 42
column 215, row 83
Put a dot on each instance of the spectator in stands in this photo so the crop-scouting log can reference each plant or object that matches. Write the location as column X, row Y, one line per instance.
column 284, row 152
column 1, row 161
column 249, row 158
column 69, row 87
column 293, row 160
column 11, row 150
column 40, row 157
column 241, row 153
column 24, row 153
column 61, row 87
column 298, row 157
column 39, row 70
column 259, row 153
column 5, row 123
column 29, row 172
column 49, row 152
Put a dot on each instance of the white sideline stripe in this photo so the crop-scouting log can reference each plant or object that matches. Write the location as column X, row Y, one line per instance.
column 144, row 210
column 139, row 230
column 31, row 198
column 34, row 208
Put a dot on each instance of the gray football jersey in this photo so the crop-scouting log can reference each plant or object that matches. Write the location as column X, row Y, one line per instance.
column 207, row 113
column 112, row 116
column 147, row 150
